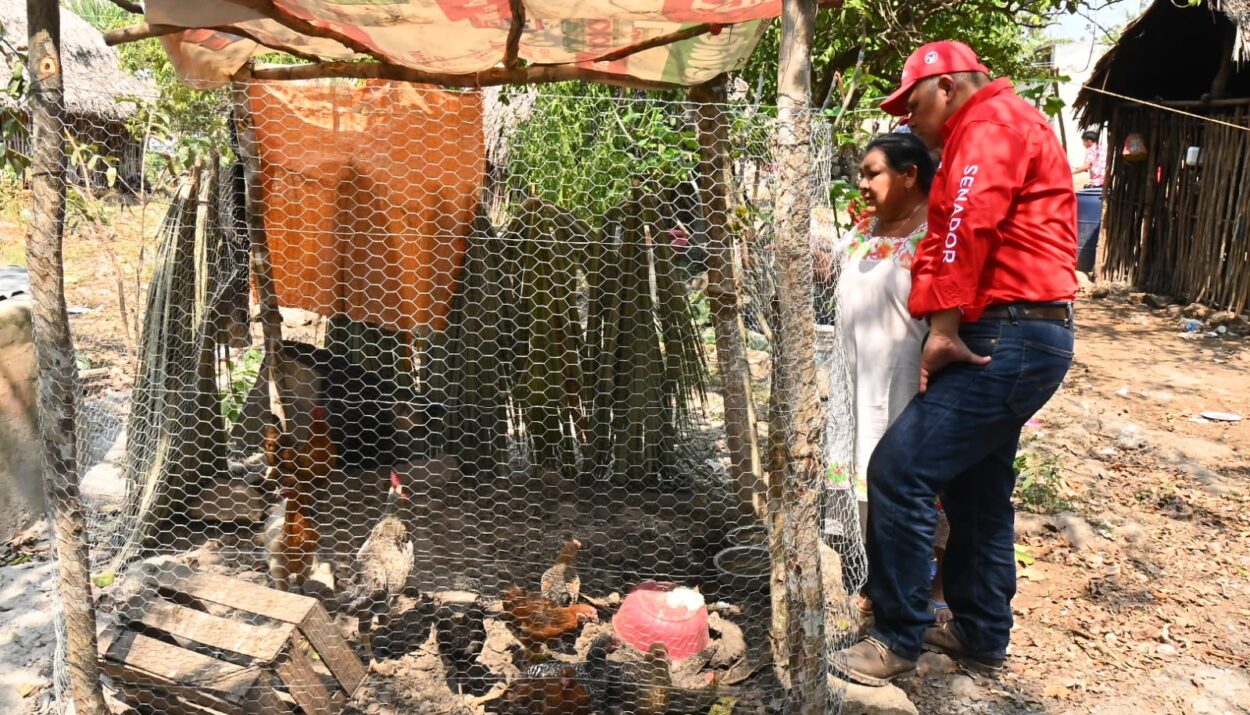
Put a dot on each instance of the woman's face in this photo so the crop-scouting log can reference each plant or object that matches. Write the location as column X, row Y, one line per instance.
column 885, row 191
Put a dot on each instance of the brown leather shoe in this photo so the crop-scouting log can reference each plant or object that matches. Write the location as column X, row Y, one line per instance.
column 942, row 639
column 871, row 662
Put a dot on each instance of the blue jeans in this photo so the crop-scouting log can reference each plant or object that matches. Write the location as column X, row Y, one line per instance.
column 958, row 441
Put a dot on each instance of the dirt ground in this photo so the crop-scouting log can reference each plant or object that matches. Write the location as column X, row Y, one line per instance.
column 1136, row 600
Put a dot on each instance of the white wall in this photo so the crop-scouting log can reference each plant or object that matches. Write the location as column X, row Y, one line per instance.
column 1075, row 59
column 1080, row 41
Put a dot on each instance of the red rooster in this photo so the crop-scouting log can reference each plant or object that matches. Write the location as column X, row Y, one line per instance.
column 302, row 472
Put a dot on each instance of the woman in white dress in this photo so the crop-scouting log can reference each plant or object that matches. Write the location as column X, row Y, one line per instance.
column 881, row 340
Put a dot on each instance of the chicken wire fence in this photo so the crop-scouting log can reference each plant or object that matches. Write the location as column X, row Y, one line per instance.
column 416, row 405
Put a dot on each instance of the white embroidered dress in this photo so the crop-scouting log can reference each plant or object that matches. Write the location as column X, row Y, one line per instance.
column 881, row 339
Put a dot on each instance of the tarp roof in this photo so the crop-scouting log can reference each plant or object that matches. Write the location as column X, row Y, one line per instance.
column 462, row 37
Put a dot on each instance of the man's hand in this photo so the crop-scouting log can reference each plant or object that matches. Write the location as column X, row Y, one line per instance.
column 944, row 347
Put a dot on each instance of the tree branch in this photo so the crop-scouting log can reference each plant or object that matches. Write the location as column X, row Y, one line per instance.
column 658, row 41
column 514, row 33
column 134, row 33
column 143, row 31
column 534, row 74
column 306, row 27
column 840, row 62
column 128, row 6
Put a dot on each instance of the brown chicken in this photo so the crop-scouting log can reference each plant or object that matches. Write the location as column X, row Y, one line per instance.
column 560, row 583
column 302, row 472
column 538, row 620
column 562, row 695
column 646, row 685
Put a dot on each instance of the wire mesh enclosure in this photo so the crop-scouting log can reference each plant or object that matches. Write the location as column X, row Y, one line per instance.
column 423, row 407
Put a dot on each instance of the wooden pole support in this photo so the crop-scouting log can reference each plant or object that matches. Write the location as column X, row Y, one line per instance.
column 795, row 419
column 261, row 261
column 54, row 349
column 714, row 176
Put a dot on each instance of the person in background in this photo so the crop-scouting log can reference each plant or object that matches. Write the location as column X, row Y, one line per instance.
column 995, row 276
column 881, row 339
column 1095, row 160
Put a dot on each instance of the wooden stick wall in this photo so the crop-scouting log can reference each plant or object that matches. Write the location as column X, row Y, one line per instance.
column 1176, row 229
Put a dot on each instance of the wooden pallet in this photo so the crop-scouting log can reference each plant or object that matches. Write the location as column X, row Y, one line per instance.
column 200, row 644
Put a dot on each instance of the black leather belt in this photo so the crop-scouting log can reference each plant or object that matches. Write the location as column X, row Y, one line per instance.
column 1029, row 311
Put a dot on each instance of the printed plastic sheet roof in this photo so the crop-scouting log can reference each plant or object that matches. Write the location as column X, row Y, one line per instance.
column 464, row 36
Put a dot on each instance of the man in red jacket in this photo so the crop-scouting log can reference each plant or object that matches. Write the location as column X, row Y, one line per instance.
column 995, row 278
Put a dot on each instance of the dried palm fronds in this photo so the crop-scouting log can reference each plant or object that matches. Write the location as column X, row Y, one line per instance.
column 168, row 456
column 481, row 351
column 547, row 392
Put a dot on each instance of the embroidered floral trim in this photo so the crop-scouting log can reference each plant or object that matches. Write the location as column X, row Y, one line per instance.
column 863, row 246
column 839, row 475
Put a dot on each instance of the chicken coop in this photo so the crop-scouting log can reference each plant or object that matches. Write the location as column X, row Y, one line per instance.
column 454, row 389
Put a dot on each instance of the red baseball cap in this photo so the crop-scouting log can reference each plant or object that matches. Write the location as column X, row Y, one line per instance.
column 931, row 60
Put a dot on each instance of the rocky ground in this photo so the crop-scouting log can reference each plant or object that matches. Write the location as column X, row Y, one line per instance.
column 27, row 638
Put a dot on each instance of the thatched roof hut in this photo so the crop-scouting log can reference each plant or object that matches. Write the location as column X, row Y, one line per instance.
column 96, row 85
column 1174, row 94
column 99, row 92
column 1174, row 53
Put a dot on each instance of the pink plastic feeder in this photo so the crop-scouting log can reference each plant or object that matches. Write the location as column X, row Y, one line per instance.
column 666, row 613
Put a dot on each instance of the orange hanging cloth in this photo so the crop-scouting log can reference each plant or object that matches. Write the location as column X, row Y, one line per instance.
column 369, row 193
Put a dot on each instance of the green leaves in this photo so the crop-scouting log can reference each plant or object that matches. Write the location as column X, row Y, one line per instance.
column 886, row 31
column 1040, row 487
column 83, row 206
column 242, row 374
column 1023, row 556
column 1044, row 95
column 581, row 146
column 12, row 126
column 17, row 80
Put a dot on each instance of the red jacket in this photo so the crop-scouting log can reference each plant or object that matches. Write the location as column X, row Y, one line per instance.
column 1002, row 212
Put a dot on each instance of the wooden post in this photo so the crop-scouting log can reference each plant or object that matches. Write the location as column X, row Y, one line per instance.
column 723, row 280
column 1111, row 182
column 1228, row 48
column 58, row 370
column 207, row 459
column 795, row 417
column 261, row 261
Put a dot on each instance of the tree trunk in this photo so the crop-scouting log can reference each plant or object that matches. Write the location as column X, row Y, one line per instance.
column 795, row 421
column 58, row 370
column 714, row 175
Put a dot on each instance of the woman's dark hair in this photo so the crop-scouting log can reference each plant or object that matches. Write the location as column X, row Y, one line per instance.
column 902, row 152
column 1090, row 135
